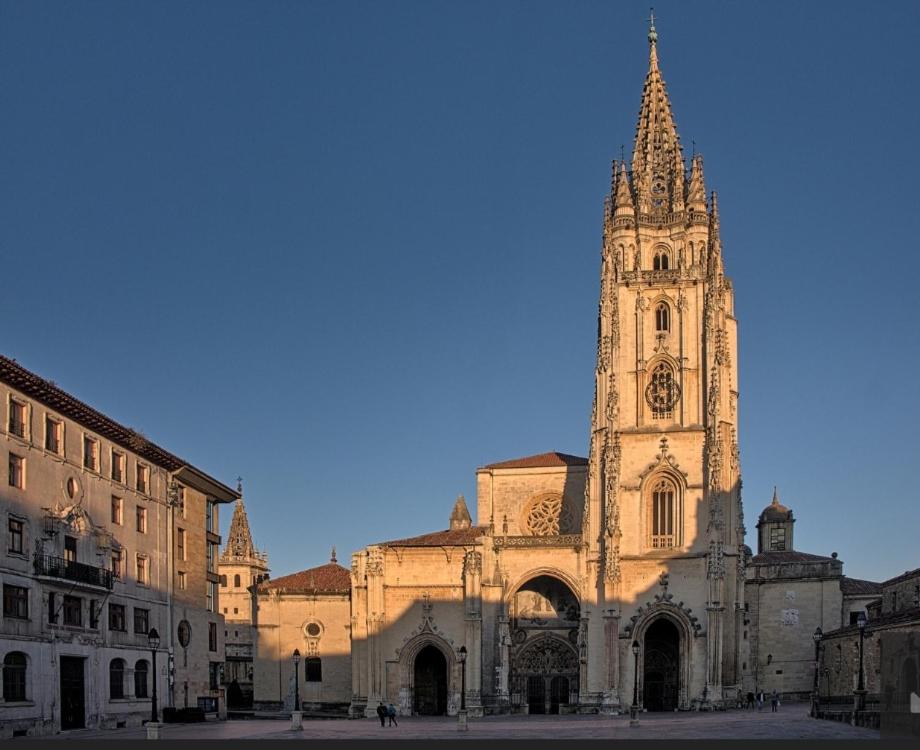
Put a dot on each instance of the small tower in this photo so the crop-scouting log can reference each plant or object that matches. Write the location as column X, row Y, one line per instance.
column 460, row 515
column 774, row 527
column 241, row 567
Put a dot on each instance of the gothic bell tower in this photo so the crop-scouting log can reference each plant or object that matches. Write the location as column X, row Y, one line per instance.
column 663, row 511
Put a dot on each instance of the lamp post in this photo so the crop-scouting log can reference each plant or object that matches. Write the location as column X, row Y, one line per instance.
column 860, row 692
column 296, row 715
column 814, row 695
column 634, row 708
column 462, row 724
column 153, row 726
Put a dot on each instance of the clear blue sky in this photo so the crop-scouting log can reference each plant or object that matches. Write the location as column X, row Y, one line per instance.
column 349, row 250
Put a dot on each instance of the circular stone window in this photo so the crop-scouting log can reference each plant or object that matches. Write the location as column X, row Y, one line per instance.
column 72, row 488
column 547, row 515
column 313, row 629
column 184, row 633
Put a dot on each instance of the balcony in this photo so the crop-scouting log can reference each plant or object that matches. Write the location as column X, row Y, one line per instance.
column 88, row 575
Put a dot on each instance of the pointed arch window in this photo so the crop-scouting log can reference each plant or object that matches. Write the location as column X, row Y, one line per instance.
column 662, row 317
column 662, row 260
column 663, row 514
column 662, row 392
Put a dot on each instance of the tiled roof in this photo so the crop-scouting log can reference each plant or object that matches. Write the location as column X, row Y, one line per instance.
column 540, row 460
column 446, row 538
column 903, row 577
column 330, row 578
column 49, row 394
column 858, row 586
column 788, row 556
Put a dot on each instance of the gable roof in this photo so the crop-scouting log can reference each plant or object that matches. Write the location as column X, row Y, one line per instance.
column 553, row 458
column 857, row 586
column 330, row 578
column 446, row 538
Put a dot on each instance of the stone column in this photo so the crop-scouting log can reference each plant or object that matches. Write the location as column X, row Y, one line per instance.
column 472, row 597
column 611, row 703
column 375, row 618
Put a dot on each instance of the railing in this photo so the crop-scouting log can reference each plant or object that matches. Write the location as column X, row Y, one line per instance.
column 58, row 567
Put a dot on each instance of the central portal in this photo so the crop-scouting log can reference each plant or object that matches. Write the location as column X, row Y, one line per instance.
column 430, row 682
column 661, row 679
column 545, row 618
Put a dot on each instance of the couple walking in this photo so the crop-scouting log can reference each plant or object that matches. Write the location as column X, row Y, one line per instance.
column 387, row 712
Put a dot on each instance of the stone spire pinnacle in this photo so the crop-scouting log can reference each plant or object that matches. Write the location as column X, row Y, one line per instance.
column 775, row 496
column 622, row 196
column 460, row 515
column 696, row 191
column 658, row 162
column 239, row 540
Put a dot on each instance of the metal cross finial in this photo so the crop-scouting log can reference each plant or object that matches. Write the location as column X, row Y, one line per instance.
column 239, row 484
column 652, row 34
column 622, row 153
column 694, row 147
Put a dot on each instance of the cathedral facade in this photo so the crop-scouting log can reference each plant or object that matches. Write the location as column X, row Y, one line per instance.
column 587, row 582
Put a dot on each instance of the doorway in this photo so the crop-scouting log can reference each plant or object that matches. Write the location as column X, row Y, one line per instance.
column 661, row 678
column 430, row 693
column 73, row 700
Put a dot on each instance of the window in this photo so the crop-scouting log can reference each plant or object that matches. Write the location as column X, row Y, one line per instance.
column 70, row 549
column 662, row 260
column 212, row 636
column 90, row 453
column 141, row 516
column 180, row 502
column 854, row 618
column 662, row 317
column 210, row 521
column 662, row 392
column 118, row 566
column 211, row 601
column 117, row 618
column 141, row 621
column 236, row 610
column 236, row 580
column 313, row 669
column 17, row 529
column 118, row 466
column 778, row 538
column 54, row 435
column 14, row 676
column 143, row 478
column 182, row 581
column 94, row 610
column 663, row 515
column 17, row 471
column 17, row 418
column 141, row 669
column 180, row 544
column 15, row 602
column 52, row 608
column 117, row 679
column 143, row 575
column 212, row 557
column 213, row 675
column 73, row 611
column 223, row 581
column 118, row 507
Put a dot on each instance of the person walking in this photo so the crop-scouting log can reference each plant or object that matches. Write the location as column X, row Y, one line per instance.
column 382, row 714
column 760, row 700
column 774, row 701
column 391, row 712
column 749, row 702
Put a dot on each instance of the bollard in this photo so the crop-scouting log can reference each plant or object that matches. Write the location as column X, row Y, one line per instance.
column 153, row 730
column 296, row 719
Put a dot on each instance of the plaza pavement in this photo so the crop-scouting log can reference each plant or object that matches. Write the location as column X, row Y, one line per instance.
column 791, row 722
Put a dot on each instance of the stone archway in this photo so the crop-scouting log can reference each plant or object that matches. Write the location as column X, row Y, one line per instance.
column 429, row 693
column 545, row 615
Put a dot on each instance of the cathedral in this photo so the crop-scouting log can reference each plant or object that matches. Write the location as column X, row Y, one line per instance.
column 582, row 585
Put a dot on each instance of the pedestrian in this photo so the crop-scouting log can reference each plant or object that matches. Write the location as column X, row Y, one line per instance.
column 382, row 714
column 391, row 712
column 760, row 700
column 749, row 703
column 774, row 701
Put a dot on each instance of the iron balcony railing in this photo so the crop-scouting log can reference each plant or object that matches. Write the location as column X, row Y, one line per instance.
column 58, row 567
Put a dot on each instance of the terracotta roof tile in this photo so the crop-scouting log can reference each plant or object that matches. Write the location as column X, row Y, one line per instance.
column 446, row 538
column 330, row 578
column 552, row 458
column 858, row 586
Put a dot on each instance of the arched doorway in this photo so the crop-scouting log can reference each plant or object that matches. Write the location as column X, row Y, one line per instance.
column 661, row 676
column 430, row 683
column 545, row 618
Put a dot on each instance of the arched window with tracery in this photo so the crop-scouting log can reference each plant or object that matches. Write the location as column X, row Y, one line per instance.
column 662, row 392
column 662, row 317
column 664, row 514
column 662, row 261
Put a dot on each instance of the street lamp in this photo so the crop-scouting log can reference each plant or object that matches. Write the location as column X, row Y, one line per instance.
column 296, row 716
column 461, row 715
column 634, row 708
column 818, row 635
column 861, row 686
column 153, row 638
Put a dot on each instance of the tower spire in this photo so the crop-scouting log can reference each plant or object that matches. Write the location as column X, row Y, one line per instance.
column 658, row 162
column 239, row 540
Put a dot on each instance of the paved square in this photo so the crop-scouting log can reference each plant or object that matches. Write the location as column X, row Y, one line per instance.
column 791, row 722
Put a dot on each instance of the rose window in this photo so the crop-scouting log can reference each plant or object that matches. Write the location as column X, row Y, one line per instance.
column 548, row 516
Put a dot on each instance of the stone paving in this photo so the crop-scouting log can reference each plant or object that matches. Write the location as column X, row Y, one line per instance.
column 791, row 722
